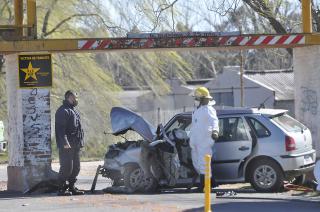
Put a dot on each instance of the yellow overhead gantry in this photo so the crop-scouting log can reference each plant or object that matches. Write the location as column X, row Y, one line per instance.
column 22, row 38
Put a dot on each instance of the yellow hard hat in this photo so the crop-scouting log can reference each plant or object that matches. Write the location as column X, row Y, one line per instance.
column 202, row 92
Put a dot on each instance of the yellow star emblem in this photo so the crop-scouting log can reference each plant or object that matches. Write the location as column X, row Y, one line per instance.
column 30, row 72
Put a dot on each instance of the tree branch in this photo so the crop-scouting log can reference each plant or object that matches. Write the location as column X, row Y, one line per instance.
column 46, row 18
column 64, row 21
column 316, row 17
column 264, row 10
column 160, row 10
column 6, row 6
column 221, row 10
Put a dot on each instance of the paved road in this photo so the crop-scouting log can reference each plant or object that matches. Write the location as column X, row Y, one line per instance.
column 166, row 201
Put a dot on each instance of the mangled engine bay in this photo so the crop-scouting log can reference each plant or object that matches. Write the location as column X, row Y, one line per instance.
column 160, row 160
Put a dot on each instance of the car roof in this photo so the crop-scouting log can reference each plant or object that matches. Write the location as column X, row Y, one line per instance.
column 242, row 110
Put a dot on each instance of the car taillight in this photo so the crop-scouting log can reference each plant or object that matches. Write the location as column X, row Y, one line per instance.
column 290, row 144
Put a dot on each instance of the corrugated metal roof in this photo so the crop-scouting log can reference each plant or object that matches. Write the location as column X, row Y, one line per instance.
column 196, row 82
column 281, row 81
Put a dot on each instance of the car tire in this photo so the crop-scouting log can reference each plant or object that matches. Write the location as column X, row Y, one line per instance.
column 136, row 182
column 266, row 175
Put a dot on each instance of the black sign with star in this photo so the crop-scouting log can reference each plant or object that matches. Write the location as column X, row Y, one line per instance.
column 35, row 70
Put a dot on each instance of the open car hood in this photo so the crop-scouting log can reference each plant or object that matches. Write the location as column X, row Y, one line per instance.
column 123, row 120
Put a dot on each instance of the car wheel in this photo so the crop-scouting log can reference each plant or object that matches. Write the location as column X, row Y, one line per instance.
column 266, row 176
column 134, row 180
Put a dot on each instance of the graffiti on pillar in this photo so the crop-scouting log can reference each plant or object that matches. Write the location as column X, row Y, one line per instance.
column 36, row 126
column 309, row 101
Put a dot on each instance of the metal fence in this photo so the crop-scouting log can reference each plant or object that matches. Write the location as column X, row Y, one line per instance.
column 160, row 115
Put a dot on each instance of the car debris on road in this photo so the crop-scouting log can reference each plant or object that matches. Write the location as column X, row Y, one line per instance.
column 226, row 193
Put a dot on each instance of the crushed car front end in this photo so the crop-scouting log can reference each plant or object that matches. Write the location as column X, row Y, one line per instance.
column 118, row 155
column 122, row 160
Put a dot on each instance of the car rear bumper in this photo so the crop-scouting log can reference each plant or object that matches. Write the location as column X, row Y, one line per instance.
column 297, row 164
column 313, row 152
column 300, row 171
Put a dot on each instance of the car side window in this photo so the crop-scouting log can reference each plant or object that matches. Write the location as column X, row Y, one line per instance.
column 232, row 129
column 180, row 123
column 260, row 130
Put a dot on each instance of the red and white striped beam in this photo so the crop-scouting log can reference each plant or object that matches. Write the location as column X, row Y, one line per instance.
column 165, row 41
column 246, row 41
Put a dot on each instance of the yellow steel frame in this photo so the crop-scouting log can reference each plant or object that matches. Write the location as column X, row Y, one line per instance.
column 18, row 12
column 306, row 16
column 32, row 18
column 71, row 45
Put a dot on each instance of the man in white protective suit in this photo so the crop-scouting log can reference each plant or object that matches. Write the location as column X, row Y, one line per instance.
column 204, row 131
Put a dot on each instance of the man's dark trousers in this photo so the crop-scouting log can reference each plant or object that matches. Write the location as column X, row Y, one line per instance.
column 69, row 164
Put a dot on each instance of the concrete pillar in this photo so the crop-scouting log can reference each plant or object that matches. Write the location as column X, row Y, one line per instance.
column 29, row 131
column 306, row 65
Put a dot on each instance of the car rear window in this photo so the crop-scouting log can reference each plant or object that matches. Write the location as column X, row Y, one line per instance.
column 260, row 130
column 288, row 123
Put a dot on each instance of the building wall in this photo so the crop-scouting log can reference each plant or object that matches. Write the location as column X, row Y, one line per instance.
column 306, row 65
column 254, row 93
column 287, row 105
column 159, row 108
column 29, row 132
column 253, row 97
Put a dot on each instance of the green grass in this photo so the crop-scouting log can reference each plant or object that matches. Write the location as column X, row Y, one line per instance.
column 93, row 150
column 3, row 157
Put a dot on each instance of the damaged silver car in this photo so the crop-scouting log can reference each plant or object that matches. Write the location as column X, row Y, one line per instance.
column 264, row 147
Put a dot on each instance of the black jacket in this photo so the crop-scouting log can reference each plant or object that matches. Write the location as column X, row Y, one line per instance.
column 68, row 126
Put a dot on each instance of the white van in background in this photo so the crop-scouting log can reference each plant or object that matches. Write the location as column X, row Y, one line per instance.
column 3, row 143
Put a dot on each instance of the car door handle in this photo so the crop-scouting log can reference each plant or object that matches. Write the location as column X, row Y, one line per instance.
column 244, row 148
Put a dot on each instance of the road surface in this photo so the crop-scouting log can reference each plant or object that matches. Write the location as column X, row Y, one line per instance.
column 165, row 201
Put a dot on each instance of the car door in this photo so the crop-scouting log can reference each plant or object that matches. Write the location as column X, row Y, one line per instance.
column 232, row 147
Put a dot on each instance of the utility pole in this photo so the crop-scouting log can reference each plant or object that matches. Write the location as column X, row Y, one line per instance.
column 241, row 79
column 241, row 71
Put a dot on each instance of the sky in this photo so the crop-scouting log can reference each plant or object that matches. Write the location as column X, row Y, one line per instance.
column 193, row 12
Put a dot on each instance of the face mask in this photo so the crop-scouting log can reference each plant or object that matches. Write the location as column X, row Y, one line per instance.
column 75, row 103
column 196, row 103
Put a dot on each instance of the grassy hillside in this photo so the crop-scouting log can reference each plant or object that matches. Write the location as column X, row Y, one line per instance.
column 95, row 76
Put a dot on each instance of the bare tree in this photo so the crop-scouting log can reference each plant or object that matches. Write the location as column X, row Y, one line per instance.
column 89, row 5
column 263, row 8
column 6, row 9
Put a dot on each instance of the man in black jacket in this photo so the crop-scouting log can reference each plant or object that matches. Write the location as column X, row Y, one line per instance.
column 69, row 138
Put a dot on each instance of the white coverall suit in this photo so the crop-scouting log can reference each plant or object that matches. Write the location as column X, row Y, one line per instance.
column 204, row 122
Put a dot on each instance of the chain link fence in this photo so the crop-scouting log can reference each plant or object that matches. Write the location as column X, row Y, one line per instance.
column 160, row 115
